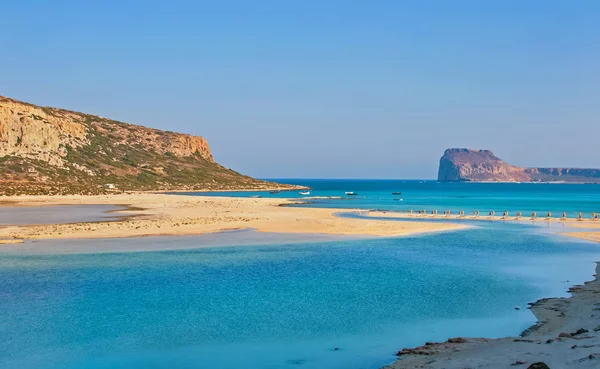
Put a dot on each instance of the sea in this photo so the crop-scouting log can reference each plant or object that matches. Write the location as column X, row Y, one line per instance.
column 254, row 300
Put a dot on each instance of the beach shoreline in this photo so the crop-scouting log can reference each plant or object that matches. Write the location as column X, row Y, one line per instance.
column 151, row 214
column 567, row 334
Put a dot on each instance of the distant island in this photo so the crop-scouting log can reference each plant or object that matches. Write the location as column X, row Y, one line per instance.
column 466, row 165
column 55, row 151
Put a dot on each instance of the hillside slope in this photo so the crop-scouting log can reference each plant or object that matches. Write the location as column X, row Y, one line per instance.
column 466, row 165
column 50, row 150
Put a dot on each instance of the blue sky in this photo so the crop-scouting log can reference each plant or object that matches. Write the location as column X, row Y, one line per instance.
column 323, row 89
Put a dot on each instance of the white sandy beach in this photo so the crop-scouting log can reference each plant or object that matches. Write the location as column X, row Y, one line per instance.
column 160, row 214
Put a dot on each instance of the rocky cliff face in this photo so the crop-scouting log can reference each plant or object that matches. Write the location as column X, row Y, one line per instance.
column 48, row 148
column 460, row 165
column 42, row 133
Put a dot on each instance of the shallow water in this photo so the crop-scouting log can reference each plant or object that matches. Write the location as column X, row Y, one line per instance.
column 275, row 304
column 163, row 243
column 256, row 300
column 15, row 215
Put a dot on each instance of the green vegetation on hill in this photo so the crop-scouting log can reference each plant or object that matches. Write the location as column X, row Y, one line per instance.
column 90, row 152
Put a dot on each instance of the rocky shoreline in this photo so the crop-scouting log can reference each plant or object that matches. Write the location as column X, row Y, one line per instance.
column 567, row 335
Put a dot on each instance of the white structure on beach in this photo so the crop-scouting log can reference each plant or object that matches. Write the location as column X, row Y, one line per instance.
column 109, row 186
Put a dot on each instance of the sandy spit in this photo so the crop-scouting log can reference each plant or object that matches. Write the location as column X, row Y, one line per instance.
column 571, row 222
column 590, row 236
column 161, row 214
column 567, row 335
column 589, row 229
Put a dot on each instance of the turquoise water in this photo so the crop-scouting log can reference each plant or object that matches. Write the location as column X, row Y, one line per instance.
column 431, row 195
column 251, row 300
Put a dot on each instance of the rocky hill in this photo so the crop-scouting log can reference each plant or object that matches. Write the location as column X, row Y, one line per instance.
column 461, row 165
column 49, row 150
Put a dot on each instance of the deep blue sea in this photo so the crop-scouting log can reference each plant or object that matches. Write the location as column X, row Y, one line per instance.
column 248, row 300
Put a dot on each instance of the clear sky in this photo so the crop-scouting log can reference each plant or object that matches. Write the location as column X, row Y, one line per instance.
column 323, row 89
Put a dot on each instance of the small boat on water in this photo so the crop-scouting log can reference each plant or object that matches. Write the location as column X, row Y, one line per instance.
column 275, row 191
column 304, row 193
column 396, row 193
column 350, row 193
column 257, row 197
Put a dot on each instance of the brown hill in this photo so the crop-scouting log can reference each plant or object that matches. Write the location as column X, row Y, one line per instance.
column 463, row 165
column 50, row 150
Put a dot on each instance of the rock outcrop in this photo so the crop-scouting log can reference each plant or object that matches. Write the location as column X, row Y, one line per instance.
column 49, row 150
column 466, row 165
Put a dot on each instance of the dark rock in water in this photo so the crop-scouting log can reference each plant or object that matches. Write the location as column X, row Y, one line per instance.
column 565, row 335
column 538, row 365
column 549, row 341
column 413, row 351
column 518, row 363
column 580, row 331
column 457, row 340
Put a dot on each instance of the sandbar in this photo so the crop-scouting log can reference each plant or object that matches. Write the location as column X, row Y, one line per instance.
column 591, row 233
column 163, row 214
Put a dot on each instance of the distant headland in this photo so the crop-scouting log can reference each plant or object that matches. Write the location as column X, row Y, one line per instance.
column 466, row 165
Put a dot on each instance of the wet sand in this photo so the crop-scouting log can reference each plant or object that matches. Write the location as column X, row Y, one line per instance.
column 36, row 215
column 161, row 214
